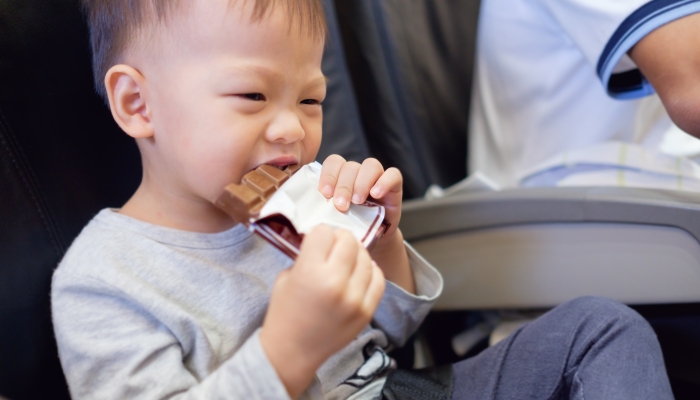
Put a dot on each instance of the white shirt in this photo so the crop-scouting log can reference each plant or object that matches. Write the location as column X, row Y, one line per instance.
column 553, row 76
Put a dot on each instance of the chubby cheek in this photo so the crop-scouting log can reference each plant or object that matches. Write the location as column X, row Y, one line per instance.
column 216, row 163
column 223, row 148
column 311, row 142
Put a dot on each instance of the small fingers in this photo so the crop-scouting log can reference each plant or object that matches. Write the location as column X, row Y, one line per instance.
column 344, row 186
column 329, row 174
column 370, row 172
column 361, row 276
column 375, row 290
column 390, row 182
column 282, row 278
column 343, row 255
column 316, row 246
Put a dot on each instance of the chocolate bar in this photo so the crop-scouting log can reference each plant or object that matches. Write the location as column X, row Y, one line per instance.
column 244, row 202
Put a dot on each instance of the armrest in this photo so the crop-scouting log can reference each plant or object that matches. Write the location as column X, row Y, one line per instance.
column 425, row 218
column 539, row 247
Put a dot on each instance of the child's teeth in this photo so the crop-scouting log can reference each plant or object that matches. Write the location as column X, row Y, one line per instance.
column 280, row 167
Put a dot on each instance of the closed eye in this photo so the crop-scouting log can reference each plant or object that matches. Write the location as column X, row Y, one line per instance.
column 254, row 96
column 311, row 102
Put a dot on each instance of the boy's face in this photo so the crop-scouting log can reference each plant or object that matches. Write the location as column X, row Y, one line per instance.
column 226, row 95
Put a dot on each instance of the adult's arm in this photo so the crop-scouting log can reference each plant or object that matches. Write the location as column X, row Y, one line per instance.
column 669, row 57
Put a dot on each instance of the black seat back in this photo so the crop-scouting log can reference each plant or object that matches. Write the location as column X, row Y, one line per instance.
column 410, row 63
column 62, row 159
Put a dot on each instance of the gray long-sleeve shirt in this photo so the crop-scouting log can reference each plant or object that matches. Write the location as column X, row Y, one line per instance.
column 143, row 311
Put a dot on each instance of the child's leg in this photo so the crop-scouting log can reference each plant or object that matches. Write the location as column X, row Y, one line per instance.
column 588, row 348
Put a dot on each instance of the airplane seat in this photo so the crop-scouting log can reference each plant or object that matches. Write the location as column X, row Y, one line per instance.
column 405, row 102
column 526, row 248
column 63, row 159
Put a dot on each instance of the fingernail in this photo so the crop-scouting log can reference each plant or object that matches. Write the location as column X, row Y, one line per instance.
column 376, row 191
column 327, row 191
column 340, row 201
column 356, row 199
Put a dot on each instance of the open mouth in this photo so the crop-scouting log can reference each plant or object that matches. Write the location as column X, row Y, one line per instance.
column 279, row 167
column 282, row 163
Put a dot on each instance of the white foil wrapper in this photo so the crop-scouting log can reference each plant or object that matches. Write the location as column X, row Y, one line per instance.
column 300, row 202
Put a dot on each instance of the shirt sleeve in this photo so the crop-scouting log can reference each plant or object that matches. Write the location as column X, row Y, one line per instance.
column 606, row 30
column 110, row 348
column 400, row 313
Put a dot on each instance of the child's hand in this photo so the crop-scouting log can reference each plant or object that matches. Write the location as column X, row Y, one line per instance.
column 352, row 182
column 348, row 181
column 319, row 305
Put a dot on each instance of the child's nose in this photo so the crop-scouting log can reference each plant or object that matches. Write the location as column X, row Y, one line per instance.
column 285, row 128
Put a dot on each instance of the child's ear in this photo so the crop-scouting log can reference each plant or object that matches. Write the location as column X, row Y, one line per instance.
column 124, row 88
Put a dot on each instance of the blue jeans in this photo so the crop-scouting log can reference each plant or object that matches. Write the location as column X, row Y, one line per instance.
column 588, row 348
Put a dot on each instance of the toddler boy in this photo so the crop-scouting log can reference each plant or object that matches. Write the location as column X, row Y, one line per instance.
column 166, row 297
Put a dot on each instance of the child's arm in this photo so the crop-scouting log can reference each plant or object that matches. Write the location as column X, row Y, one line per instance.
column 669, row 57
column 413, row 284
column 128, row 338
column 319, row 306
column 352, row 182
